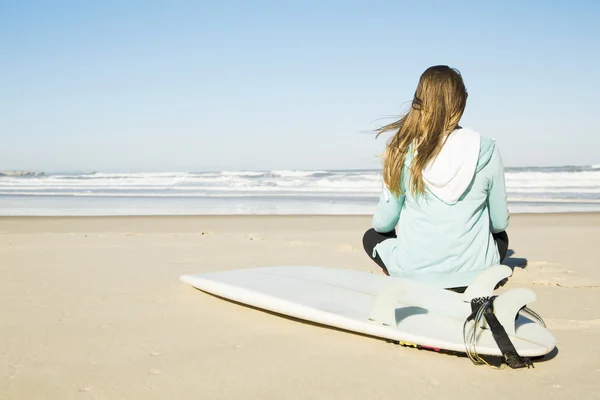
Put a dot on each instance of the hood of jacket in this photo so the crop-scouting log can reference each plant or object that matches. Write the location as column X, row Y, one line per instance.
column 450, row 174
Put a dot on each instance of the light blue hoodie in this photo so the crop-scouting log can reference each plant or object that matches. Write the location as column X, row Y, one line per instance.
column 445, row 238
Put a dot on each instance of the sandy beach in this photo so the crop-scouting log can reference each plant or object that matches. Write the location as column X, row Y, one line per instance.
column 92, row 308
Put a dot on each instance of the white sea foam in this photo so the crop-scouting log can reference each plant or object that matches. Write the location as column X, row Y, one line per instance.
column 286, row 173
column 568, row 187
column 242, row 173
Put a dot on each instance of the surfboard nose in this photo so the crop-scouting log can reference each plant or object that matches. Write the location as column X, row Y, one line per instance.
column 186, row 279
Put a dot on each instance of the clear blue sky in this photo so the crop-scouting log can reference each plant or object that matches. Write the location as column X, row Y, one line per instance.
column 228, row 85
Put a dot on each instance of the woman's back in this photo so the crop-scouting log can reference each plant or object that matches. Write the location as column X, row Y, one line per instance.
column 445, row 237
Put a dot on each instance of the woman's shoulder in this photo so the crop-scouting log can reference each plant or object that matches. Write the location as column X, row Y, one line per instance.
column 489, row 152
column 487, row 144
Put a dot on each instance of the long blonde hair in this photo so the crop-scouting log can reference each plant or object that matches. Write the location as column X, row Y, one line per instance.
column 437, row 107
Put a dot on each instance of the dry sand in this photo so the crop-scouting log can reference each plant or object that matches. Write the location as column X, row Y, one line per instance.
column 92, row 308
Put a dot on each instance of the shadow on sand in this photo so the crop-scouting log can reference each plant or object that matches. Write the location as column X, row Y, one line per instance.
column 514, row 262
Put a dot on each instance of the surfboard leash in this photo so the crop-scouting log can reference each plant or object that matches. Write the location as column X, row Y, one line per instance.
column 483, row 307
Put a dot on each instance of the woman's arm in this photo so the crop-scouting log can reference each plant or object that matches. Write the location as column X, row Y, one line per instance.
column 497, row 202
column 388, row 210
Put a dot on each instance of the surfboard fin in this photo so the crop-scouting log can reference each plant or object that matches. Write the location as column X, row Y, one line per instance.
column 384, row 306
column 485, row 283
column 508, row 305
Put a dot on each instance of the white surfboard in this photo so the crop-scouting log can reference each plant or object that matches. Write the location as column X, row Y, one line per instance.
column 382, row 306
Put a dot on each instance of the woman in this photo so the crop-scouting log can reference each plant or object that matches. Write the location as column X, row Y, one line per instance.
column 442, row 212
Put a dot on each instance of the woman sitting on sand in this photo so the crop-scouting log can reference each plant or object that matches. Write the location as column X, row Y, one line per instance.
column 442, row 212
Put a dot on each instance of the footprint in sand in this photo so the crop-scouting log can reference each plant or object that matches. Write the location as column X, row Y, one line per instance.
column 549, row 274
column 252, row 236
column 571, row 324
column 346, row 247
column 298, row 243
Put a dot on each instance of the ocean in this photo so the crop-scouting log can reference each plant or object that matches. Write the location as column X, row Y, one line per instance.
column 537, row 189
